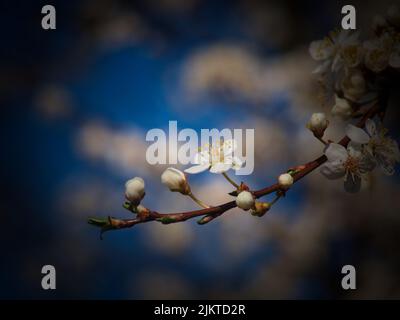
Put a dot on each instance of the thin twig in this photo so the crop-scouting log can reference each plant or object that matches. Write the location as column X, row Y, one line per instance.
column 211, row 213
column 230, row 180
column 198, row 201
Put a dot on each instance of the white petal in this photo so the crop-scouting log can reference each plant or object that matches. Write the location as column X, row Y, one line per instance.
column 337, row 63
column 197, row 169
column 354, row 149
column 320, row 49
column 228, row 147
column 322, row 68
column 202, row 158
column 371, row 127
column 220, row 167
column 336, row 152
column 333, row 170
column 357, row 134
column 237, row 163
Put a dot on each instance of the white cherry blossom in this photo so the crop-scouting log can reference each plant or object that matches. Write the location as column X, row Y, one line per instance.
column 340, row 49
column 350, row 164
column 382, row 148
column 218, row 158
column 378, row 52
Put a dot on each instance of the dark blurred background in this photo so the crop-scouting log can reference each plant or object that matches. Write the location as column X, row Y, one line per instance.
column 77, row 102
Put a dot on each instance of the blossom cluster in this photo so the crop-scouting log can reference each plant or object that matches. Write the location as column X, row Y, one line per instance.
column 358, row 74
column 356, row 71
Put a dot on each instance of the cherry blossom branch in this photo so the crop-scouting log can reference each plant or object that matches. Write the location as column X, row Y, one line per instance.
column 208, row 214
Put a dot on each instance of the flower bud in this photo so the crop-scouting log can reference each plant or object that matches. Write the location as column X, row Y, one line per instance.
column 245, row 200
column 134, row 190
column 175, row 180
column 260, row 208
column 285, row 181
column 141, row 209
column 317, row 124
column 342, row 108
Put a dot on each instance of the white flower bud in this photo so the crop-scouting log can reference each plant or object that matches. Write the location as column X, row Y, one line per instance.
column 134, row 190
column 317, row 124
column 245, row 200
column 342, row 108
column 175, row 180
column 285, row 181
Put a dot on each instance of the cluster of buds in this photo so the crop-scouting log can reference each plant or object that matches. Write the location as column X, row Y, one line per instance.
column 245, row 200
column 176, row 181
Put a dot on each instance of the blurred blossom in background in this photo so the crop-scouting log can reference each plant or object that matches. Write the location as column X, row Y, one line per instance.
column 77, row 103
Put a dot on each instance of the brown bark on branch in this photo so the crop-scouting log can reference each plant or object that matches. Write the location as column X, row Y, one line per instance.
column 211, row 213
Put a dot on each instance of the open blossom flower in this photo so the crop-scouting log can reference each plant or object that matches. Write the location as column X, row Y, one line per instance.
column 349, row 163
column 175, row 180
column 134, row 190
column 384, row 149
column 342, row 108
column 218, row 158
column 378, row 52
column 341, row 49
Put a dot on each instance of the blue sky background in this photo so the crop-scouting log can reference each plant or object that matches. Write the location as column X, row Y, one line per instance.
column 139, row 86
